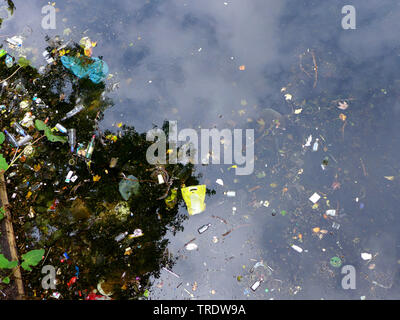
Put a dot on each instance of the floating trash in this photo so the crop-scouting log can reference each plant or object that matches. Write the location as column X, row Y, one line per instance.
column 336, row 262
column 194, row 197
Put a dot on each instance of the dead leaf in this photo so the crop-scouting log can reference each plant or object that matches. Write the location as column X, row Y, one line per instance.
column 342, row 117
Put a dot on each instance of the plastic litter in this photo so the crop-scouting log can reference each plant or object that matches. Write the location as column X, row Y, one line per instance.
column 128, row 186
column 204, row 228
column 191, row 246
column 231, row 193
column 194, row 197
column 61, row 128
column 336, row 262
column 136, row 233
column 90, row 148
column 297, row 248
column 308, row 142
column 331, row 212
column 73, row 112
column 82, row 67
column 315, row 197
column 171, row 200
column 335, row 225
column 11, row 138
column 9, row 61
column 315, row 145
column 72, row 138
column 121, row 236
column 256, row 284
column 366, row 256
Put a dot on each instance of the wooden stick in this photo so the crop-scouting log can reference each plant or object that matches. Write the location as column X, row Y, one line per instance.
column 363, row 168
column 315, row 68
column 11, row 237
column 301, row 65
column 11, row 75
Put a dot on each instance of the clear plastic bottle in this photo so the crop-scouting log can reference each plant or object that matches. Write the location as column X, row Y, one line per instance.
column 73, row 112
column 204, row 228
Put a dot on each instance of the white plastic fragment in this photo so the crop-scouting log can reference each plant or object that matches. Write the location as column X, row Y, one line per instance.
column 231, row 193
column 315, row 146
column 255, row 285
column 335, row 226
column 315, row 197
column 15, row 41
column 160, row 179
column 56, row 295
column 297, row 248
column 308, row 142
column 68, row 177
column 121, row 236
column 331, row 212
column 136, row 233
column 366, row 256
column 288, row 97
column 191, row 246
column 220, row 182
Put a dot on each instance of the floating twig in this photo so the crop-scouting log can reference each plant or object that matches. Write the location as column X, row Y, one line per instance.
column 363, row 167
column 315, row 68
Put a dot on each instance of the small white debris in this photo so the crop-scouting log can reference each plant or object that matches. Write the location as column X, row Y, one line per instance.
column 231, row 193
column 315, row 197
column 68, row 177
column 308, row 142
column 56, row 295
column 297, row 248
column 366, row 256
column 331, row 212
column 315, row 146
column 191, row 246
column 298, row 111
column 160, row 179
column 288, row 97
column 220, row 182
column 335, row 226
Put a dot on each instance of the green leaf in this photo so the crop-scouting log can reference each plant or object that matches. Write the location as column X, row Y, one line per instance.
column 32, row 258
column 41, row 126
column 2, row 213
column 6, row 264
column 2, row 137
column 23, row 62
column 3, row 163
column 54, row 138
column 6, row 280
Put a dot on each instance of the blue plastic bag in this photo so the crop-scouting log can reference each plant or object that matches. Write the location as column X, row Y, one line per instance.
column 96, row 70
